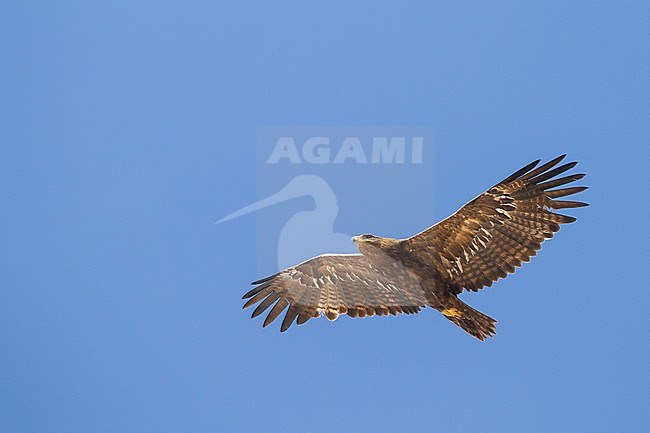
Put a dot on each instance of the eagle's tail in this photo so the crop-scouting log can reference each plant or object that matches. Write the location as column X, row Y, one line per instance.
column 474, row 322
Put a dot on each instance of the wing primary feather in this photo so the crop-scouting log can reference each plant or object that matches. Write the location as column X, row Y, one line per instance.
column 552, row 173
column 520, row 172
column 275, row 311
column 560, row 181
column 265, row 304
column 557, row 193
column 257, row 298
column 562, row 204
column 303, row 317
column 544, row 167
column 255, row 290
column 265, row 279
column 291, row 315
column 564, row 219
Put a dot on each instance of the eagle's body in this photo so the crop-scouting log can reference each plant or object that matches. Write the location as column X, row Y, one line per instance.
column 483, row 241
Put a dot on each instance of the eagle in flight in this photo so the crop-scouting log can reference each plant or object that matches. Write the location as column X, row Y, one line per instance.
column 486, row 239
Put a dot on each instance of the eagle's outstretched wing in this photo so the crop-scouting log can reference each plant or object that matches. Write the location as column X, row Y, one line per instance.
column 337, row 284
column 493, row 234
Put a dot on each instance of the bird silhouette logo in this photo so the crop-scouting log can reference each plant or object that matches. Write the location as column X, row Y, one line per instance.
column 307, row 233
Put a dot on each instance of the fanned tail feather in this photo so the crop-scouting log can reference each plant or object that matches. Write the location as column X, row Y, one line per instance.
column 473, row 322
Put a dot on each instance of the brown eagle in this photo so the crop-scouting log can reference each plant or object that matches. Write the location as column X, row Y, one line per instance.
column 483, row 241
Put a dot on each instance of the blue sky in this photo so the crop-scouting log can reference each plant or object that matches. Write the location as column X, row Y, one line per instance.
column 128, row 129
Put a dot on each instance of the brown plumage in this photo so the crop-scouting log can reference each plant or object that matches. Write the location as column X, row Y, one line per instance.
column 483, row 241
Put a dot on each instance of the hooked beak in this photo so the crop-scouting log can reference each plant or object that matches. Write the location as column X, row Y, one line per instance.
column 355, row 239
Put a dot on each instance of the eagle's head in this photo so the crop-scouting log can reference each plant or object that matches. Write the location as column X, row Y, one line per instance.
column 367, row 239
column 370, row 245
column 367, row 244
